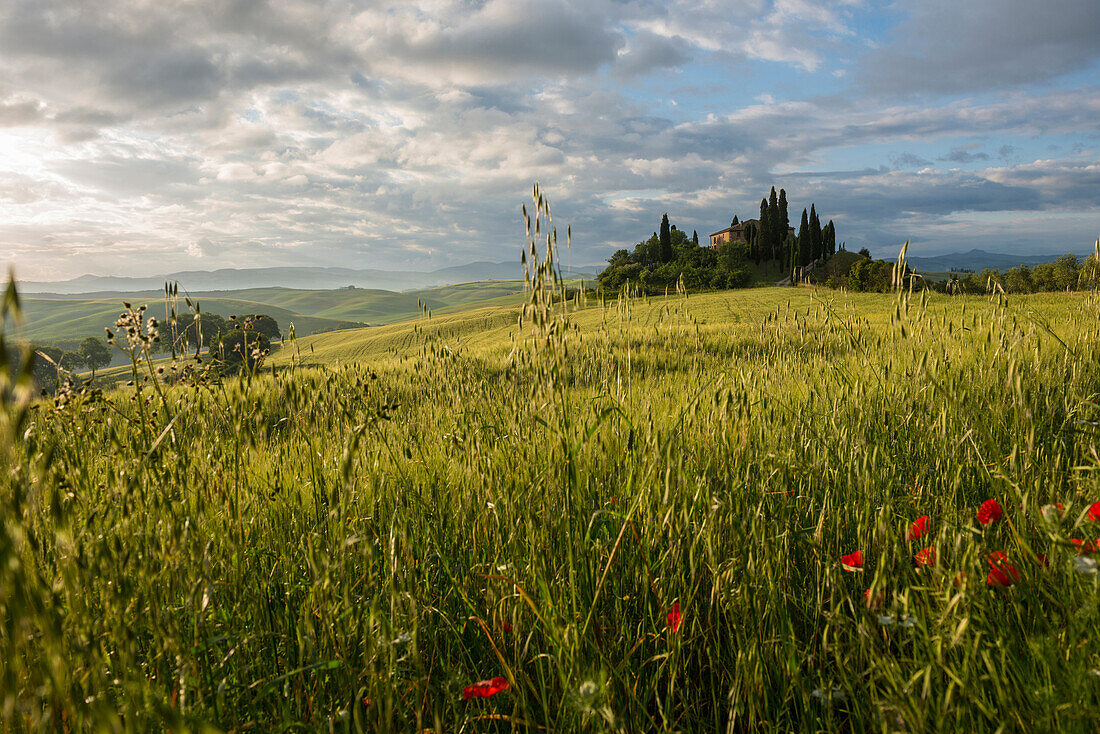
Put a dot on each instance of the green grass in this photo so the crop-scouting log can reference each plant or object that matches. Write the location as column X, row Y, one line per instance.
column 348, row 545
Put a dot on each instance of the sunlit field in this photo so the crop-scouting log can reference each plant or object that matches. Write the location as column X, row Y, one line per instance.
column 631, row 515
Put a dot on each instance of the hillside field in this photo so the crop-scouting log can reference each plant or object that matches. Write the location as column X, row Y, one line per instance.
column 639, row 515
column 51, row 319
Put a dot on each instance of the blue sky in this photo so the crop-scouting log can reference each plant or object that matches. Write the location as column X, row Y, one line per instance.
column 143, row 137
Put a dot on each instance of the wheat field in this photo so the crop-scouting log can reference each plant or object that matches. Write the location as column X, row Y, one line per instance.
column 630, row 513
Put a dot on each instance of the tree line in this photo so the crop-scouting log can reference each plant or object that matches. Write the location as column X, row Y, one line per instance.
column 860, row 273
column 670, row 256
column 773, row 240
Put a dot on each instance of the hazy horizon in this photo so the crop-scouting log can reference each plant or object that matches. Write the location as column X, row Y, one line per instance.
column 138, row 139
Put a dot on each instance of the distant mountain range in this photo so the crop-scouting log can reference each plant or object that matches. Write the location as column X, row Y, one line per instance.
column 303, row 278
column 976, row 260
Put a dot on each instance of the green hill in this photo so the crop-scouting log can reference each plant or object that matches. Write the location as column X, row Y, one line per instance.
column 59, row 319
column 54, row 320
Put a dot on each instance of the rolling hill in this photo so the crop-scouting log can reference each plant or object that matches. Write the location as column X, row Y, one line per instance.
column 65, row 318
column 296, row 278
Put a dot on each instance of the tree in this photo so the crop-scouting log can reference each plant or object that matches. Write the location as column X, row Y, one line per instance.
column 94, row 353
column 763, row 232
column 1065, row 273
column 829, row 236
column 238, row 347
column 815, row 235
column 783, row 222
column 204, row 329
column 1018, row 280
column 266, row 326
column 620, row 258
column 804, row 241
column 666, row 240
column 695, row 237
column 734, row 222
column 775, row 237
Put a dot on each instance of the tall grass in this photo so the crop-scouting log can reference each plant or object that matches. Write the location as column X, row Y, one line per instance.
column 347, row 547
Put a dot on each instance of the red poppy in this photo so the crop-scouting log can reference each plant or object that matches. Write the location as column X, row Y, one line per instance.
column 990, row 511
column 995, row 558
column 674, row 618
column 852, row 561
column 485, row 688
column 873, row 602
column 918, row 528
column 1043, row 560
column 1006, row 575
column 1001, row 572
column 925, row 557
column 1094, row 511
column 1083, row 546
column 506, row 627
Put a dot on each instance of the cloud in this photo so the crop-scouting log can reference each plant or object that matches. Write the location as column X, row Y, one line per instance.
column 962, row 154
column 648, row 52
column 942, row 47
column 375, row 132
column 909, row 160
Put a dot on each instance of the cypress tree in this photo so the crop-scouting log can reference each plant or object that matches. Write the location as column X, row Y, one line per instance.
column 815, row 235
column 830, row 239
column 804, row 240
column 784, row 222
column 763, row 232
column 666, row 240
column 774, row 238
column 734, row 222
column 695, row 236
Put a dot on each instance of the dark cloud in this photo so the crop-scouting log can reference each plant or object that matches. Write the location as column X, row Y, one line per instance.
column 648, row 52
column 20, row 112
column 908, row 160
column 943, row 47
column 515, row 38
column 962, row 154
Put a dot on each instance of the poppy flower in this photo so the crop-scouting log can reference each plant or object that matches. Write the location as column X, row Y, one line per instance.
column 485, row 688
column 1083, row 546
column 1094, row 511
column 506, row 627
column 1001, row 572
column 989, row 512
column 853, row 561
column 1006, row 575
column 873, row 602
column 674, row 618
column 918, row 528
column 925, row 557
column 1043, row 560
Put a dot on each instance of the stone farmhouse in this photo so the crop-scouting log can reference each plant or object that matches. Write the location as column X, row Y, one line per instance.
column 736, row 233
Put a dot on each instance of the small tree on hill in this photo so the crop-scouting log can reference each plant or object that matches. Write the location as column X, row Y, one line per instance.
column 94, row 354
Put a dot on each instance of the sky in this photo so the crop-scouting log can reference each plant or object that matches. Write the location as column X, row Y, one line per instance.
column 140, row 137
